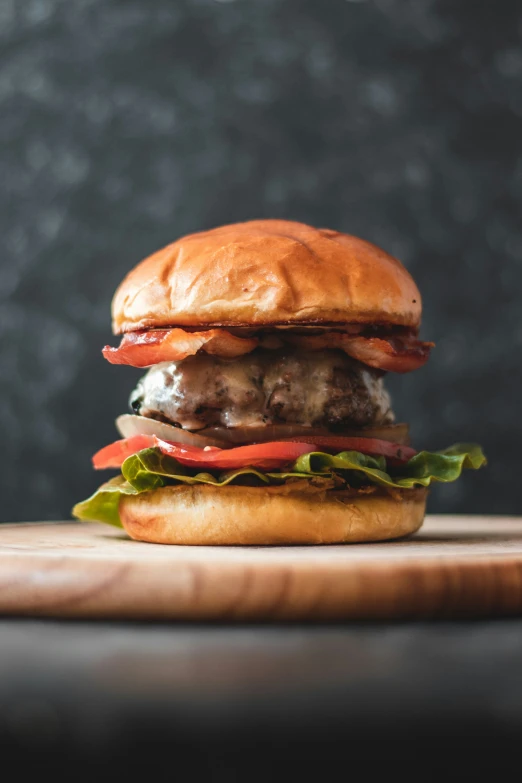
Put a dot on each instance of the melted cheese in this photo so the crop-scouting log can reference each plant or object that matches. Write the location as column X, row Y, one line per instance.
column 263, row 388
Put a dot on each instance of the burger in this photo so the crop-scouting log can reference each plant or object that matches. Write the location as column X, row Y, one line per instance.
column 263, row 416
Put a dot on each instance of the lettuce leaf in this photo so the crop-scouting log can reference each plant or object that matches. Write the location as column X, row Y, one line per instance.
column 420, row 470
column 102, row 506
column 150, row 469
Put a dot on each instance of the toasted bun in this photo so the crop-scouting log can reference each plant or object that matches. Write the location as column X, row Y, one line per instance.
column 206, row 515
column 266, row 272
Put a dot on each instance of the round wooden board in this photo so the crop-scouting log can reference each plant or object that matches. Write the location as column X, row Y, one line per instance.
column 453, row 566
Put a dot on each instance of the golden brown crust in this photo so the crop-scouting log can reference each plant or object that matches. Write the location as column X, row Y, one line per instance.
column 236, row 515
column 266, row 272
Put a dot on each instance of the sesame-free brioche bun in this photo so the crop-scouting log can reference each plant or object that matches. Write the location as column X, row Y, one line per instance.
column 238, row 515
column 265, row 273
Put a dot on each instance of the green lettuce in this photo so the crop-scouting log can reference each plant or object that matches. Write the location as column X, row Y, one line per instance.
column 102, row 506
column 420, row 470
column 149, row 469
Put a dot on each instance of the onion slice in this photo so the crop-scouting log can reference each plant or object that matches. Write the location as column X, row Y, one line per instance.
column 129, row 425
column 260, row 433
column 394, row 433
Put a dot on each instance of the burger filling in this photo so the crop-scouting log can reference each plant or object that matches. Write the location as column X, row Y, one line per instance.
column 323, row 389
column 339, row 401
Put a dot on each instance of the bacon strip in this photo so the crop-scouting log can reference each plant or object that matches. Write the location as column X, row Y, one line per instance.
column 143, row 349
column 401, row 353
column 394, row 354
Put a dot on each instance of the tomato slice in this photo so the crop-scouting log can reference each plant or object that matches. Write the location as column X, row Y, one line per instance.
column 115, row 454
column 371, row 446
column 268, row 456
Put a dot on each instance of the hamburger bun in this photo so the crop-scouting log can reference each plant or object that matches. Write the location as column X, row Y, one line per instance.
column 266, row 273
column 238, row 515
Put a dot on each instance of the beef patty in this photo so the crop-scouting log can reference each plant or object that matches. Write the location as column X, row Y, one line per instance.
column 326, row 389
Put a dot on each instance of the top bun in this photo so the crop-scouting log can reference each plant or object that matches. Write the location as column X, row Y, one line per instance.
column 266, row 273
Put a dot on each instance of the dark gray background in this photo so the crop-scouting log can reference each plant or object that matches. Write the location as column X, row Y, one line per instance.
column 126, row 124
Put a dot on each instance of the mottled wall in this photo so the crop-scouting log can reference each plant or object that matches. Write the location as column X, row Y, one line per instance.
column 126, row 124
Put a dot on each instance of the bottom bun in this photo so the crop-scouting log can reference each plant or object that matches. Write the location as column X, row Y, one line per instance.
column 238, row 515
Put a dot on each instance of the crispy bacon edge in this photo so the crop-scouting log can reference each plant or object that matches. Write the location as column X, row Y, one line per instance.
column 398, row 353
column 394, row 354
column 143, row 349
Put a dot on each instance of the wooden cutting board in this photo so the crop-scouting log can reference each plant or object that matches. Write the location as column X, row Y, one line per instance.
column 453, row 566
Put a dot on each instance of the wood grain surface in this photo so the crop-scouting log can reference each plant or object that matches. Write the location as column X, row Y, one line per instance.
column 454, row 566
